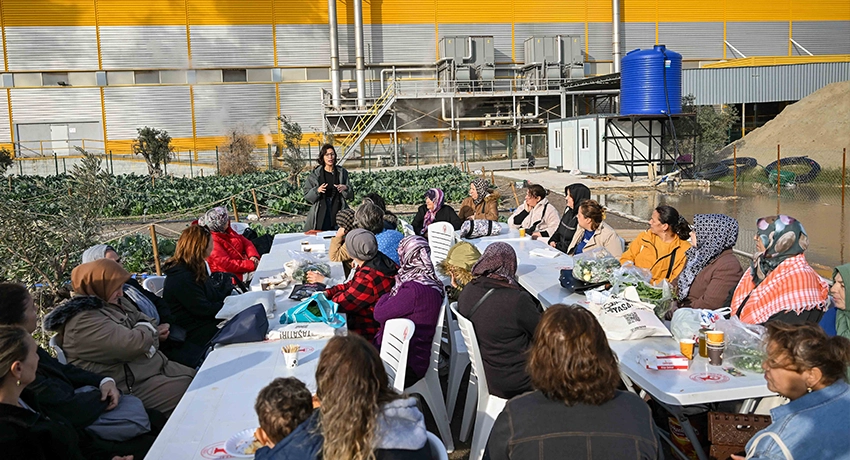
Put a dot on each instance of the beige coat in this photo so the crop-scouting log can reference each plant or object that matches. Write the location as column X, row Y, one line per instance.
column 488, row 209
column 104, row 338
column 549, row 220
column 604, row 237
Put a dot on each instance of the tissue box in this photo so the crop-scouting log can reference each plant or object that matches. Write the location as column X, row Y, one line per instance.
column 663, row 361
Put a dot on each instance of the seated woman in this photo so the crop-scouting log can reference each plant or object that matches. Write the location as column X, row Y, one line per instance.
column 390, row 219
column 575, row 406
column 336, row 251
column 100, row 332
column 434, row 210
column 481, row 203
column 504, row 320
column 417, row 296
column 458, row 266
column 840, row 323
column 780, row 284
column 810, row 369
column 232, row 252
column 188, row 292
column 712, row 271
column 68, row 393
column 146, row 301
column 360, row 416
column 661, row 249
column 595, row 233
column 373, row 277
column 537, row 216
column 369, row 216
column 563, row 236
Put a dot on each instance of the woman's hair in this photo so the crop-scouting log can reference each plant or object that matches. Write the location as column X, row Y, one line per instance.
column 13, row 303
column 678, row 224
column 537, row 190
column 191, row 249
column 322, row 151
column 378, row 200
column 570, row 359
column 593, row 211
column 369, row 216
column 13, row 347
column 352, row 387
column 803, row 347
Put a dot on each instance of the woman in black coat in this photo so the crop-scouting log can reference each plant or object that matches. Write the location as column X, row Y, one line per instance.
column 327, row 189
column 576, row 194
column 434, row 210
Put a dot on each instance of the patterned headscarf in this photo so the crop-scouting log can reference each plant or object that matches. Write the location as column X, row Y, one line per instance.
column 497, row 262
column 345, row 219
column 415, row 257
column 216, row 219
column 437, row 197
column 100, row 278
column 842, row 315
column 481, row 186
column 96, row 252
column 715, row 234
column 783, row 237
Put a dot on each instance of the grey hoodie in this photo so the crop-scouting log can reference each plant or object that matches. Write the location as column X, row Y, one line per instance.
column 401, row 426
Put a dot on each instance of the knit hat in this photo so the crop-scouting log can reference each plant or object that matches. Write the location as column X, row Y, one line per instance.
column 96, row 252
column 345, row 219
column 361, row 244
column 459, row 262
column 216, row 219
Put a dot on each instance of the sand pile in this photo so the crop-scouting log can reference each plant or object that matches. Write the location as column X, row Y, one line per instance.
column 817, row 126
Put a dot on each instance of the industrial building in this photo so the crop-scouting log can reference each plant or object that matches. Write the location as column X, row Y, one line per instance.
column 90, row 72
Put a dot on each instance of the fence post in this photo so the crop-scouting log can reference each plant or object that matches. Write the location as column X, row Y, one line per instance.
column 417, row 153
column 217, row 171
column 270, row 161
column 778, row 177
column 510, row 149
column 235, row 211
column 843, row 175
column 111, row 163
column 56, row 162
column 256, row 205
column 735, row 168
column 191, row 174
column 483, row 172
column 20, row 167
column 155, row 251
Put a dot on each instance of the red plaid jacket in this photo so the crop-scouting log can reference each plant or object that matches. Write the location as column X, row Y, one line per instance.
column 357, row 298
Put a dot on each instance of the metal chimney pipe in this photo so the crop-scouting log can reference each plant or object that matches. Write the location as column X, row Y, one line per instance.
column 615, row 34
column 332, row 23
column 360, row 69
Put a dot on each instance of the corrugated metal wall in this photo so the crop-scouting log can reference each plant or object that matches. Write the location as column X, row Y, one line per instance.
column 700, row 40
column 599, row 41
column 387, row 43
column 524, row 31
column 823, row 37
column 302, row 103
column 758, row 38
column 232, row 46
column 161, row 107
column 5, row 129
column 144, row 47
column 636, row 35
column 57, row 104
column 303, row 45
column 219, row 108
column 761, row 84
column 51, row 48
column 501, row 36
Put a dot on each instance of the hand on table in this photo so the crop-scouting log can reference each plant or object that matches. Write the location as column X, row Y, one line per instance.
column 163, row 330
column 553, row 244
column 535, row 235
column 315, row 277
column 108, row 391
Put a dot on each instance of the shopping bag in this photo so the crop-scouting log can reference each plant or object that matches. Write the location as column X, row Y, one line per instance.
column 315, row 309
column 625, row 317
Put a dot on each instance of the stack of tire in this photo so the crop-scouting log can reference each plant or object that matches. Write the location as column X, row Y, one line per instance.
column 714, row 171
column 788, row 177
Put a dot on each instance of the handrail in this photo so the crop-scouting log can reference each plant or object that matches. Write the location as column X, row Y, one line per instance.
column 364, row 121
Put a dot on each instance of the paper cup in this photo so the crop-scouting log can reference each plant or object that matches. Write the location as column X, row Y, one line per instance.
column 290, row 355
column 686, row 346
column 715, row 355
column 714, row 337
column 522, row 233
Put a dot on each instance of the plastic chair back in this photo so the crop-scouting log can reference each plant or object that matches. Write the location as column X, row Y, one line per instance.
column 154, row 284
column 441, row 238
column 394, row 348
column 438, row 450
column 60, row 354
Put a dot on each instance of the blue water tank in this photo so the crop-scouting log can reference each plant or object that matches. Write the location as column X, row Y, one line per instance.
column 651, row 82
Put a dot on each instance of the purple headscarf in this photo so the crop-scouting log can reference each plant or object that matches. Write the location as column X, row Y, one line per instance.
column 497, row 262
column 414, row 256
column 437, row 197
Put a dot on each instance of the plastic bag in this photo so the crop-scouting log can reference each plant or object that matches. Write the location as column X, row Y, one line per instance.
column 687, row 322
column 744, row 344
column 235, row 304
column 303, row 262
column 315, row 309
column 594, row 266
column 659, row 294
column 629, row 275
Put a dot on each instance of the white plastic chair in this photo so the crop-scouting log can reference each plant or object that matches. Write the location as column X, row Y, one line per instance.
column 441, row 238
column 154, row 284
column 438, row 450
column 458, row 361
column 239, row 227
column 407, row 228
column 60, row 354
column 429, row 385
column 394, row 348
column 489, row 406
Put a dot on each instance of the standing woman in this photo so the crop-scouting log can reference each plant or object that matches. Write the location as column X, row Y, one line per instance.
column 434, row 210
column 661, row 249
column 576, row 194
column 327, row 189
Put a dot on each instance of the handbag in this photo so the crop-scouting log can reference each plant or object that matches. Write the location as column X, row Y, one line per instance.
column 729, row 433
column 224, row 284
column 315, row 309
column 479, row 227
column 249, row 325
column 126, row 421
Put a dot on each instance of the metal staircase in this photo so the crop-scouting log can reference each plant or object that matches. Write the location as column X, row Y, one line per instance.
column 367, row 122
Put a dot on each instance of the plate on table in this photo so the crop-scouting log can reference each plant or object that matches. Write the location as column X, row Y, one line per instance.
column 242, row 444
column 581, row 286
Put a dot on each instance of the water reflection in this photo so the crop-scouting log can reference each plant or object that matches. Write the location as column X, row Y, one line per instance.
column 819, row 209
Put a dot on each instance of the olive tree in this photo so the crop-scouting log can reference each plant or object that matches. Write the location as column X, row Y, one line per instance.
column 155, row 146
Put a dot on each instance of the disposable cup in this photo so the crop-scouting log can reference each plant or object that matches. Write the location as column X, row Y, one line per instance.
column 715, row 355
column 714, row 337
column 522, row 233
column 290, row 355
column 686, row 346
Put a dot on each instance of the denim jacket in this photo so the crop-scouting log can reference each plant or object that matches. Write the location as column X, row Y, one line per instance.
column 812, row 426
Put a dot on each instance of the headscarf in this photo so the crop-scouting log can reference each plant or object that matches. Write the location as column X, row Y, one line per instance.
column 345, row 219
column 96, row 252
column 842, row 316
column 459, row 261
column 415, row 257
column 783, row 237
column 481, row 186
column 100, row 278
column 361, row 244
column 715, row 234
column 579, row 192
column 497, row 262
column 216, row 219
column 437, row 197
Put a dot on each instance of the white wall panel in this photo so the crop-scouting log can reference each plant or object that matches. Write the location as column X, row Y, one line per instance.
column 303, row 44
column 599, row 41
column 302, row 102
column 232, row 46
column 387, row 43
column 693, row 40
column 757, row 38
column 5, row 129
column 501, row 36
column 823, row 37
column 146, row 47
column 56, row 104
column 161, row 107
column 634, row 35
column 219, row 108
column 524, row 31
column 51, row 48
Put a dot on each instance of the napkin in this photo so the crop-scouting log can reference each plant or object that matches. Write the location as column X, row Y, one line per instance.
column 549, row 253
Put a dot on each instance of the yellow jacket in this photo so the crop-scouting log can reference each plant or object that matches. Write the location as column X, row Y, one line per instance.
column 650, row 252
